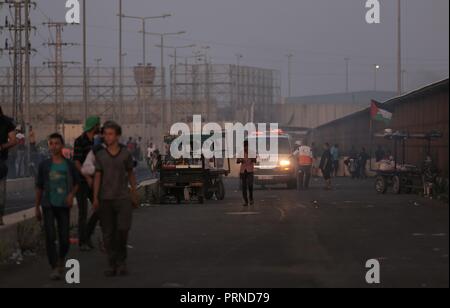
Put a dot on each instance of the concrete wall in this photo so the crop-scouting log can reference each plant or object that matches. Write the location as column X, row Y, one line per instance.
column 312, row 115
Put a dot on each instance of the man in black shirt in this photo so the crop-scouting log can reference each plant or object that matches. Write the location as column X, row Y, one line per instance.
column 83, row 145
column 7, row 141
column 326, row 165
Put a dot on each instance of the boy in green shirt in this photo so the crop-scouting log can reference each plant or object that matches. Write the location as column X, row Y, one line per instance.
column 56, row 185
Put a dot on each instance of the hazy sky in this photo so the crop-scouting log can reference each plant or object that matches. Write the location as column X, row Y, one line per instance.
column 320, row 33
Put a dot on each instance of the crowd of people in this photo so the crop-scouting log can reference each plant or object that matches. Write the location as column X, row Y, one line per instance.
column 19, row 165
column 310, row 161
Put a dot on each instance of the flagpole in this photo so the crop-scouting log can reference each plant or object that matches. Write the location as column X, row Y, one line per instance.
column 371, row 136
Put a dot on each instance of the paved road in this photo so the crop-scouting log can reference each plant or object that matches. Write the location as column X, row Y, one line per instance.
column 289, row 239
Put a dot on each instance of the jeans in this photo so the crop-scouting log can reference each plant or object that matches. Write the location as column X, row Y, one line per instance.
column 304, row 177
column 362, row 170
column 62, row 217
column 247, row 180
column 115, row 219
column 335, row 167
column 86, row 228
column 20, row 164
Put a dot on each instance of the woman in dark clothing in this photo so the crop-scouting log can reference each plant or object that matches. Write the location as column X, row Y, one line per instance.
column 326, row 165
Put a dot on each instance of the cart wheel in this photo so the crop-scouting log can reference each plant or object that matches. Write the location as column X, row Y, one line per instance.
column 380, row 185
column 161, row 196
column 396, row 185
column 220, row 194
column 209, row 195
column 161, row 201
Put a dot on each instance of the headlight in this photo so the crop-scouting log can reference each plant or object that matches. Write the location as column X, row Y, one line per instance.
column 285, row 163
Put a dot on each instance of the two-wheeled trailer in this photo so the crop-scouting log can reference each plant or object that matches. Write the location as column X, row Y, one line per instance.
column 192, row 179
column 403, row 177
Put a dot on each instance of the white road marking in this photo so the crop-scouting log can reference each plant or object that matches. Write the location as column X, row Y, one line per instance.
column 243, row 213
column 418, row 234
column 439, row 235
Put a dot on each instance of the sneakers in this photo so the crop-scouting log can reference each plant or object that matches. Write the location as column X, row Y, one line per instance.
column 85, row 248
column 61, row 267
column 123, row 271
column 112, row 272
column 55, row 275
column 90, row 244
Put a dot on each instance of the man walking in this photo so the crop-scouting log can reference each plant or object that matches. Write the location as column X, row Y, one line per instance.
column 113, row 199
column 83, row 145
column 335, row 155
column 56, row 186
column 7, row 141
column 305, row 159
column 326, row 165
column 247, row 174
column 363, row 158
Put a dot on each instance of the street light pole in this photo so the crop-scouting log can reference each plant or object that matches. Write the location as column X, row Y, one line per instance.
column 290, row 56
column 238, row 80
column 143, row 31
column 163, row 74
column 376, row 68
column 85, row 82
column 347, row 75
column 399, row 48
column 120, row 65
column 163, row 69
column 144, row 59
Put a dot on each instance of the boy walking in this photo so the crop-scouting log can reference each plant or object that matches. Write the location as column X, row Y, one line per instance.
column 56, row 185
column 247, row 174
column 113, row 198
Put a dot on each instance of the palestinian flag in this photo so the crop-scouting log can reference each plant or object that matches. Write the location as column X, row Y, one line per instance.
column 379, row 114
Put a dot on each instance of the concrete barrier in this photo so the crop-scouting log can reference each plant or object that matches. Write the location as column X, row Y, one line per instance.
column 19, row 185
column 23, row 233
column 149, row 191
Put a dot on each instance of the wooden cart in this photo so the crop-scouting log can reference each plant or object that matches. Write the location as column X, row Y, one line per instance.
column 192, row 179
column 404, row 178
